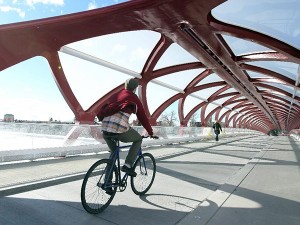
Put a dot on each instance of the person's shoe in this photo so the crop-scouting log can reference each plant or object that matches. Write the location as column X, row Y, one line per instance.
column 108, row 190
column 129, row 171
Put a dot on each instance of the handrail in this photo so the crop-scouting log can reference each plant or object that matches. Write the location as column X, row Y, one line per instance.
column 28, row 141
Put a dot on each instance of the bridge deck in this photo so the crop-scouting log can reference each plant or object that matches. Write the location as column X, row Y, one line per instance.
column 240, row 180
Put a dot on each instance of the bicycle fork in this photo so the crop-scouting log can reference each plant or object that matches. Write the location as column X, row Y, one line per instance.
column 142, row 164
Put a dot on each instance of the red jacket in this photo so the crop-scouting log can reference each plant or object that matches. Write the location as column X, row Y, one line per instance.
column 128, row 102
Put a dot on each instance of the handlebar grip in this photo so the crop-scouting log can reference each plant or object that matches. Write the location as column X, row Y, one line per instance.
column 153, row 137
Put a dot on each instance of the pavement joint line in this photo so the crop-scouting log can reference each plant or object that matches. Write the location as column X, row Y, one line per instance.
column 212, row 204
column 16, row 189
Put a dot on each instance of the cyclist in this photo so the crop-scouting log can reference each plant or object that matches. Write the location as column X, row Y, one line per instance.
column 115, row 122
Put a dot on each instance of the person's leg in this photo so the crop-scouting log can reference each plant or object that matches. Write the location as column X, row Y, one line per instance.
column 131, row 136
column 110, row 143
column 108, row 177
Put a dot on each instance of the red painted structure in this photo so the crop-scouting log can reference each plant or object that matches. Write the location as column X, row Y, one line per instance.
column 188, row 23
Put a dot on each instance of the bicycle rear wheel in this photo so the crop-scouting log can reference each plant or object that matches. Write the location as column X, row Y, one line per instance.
column 94, row 199
column 145, row 167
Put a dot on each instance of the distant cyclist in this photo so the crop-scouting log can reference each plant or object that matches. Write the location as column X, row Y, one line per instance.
column 115, row 122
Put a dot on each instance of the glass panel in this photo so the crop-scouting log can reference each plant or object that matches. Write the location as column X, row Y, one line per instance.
column 189, row 103
column 195, row 118
column 256, row 75
column 210, row 107
column 222, row 100
column 206, row 93
column 233, row 104
column 28, row 91
column 231, row 114
column 275, row 92
column 173, row 108
column 156, row 95
column 276, row 18
column 210, row 79
column 282, row 96
column 262, row 89
column 287, row 69
column 242, row 97
column 211, row 120
column 240, row 116
column 180, row 79
column 279, row 101
column 89, row 81
column 242, row 47
column 223, row 110
column 281, row 86
column 296, row 102
column 174, row 55
column 242, row 108
column 127, row 49
column 230, row 90
column 18, row 11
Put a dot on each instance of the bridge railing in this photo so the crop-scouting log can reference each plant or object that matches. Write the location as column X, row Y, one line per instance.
column 29, row 141
column 295, row 134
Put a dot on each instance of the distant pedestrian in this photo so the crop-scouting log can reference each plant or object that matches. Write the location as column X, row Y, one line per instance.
column 217, row 129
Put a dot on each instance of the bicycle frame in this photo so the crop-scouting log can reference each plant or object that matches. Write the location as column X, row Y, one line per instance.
column 115, row 158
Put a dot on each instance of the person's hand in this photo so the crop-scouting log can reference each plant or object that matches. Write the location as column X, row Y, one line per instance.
column 154, row 137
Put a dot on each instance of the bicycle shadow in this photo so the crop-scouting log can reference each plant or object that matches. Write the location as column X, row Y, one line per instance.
column 165, row 200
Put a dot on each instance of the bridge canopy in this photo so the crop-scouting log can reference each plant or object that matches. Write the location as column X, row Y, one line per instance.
column 235, row 61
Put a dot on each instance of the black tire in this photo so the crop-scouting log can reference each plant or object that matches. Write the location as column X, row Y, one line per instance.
column 93, row 198
column 145, row 175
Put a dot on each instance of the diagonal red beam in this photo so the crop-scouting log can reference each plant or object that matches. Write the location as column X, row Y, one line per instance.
column 264, row 56
column 270, row 73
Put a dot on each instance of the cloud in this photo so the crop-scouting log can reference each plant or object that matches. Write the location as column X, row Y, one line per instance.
column 118, row 49
column 139, row 54
column 92, row 5
column 12, row 9
column 45, row 2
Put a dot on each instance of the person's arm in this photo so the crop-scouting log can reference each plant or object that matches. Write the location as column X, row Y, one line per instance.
column 140, row 114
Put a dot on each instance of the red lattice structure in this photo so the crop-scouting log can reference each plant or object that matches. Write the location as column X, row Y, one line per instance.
column 190, row 24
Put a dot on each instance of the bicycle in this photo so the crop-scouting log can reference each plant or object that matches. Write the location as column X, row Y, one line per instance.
column 106, row 174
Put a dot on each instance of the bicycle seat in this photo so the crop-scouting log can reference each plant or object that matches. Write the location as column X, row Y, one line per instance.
column 110, row 136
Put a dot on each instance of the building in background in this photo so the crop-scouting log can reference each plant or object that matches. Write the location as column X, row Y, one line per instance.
column 9, row 118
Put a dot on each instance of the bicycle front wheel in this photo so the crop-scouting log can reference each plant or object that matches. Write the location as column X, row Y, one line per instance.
column 145, row 167
column 94, row 198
